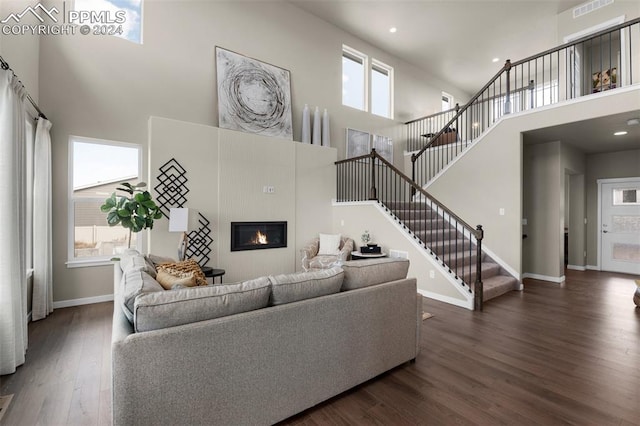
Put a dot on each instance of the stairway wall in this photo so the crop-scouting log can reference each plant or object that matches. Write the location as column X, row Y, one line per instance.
column 352, row 219
column 489, row 175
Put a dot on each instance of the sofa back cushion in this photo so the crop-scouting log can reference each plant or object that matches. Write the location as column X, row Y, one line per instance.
column 289, row 288
column 153, row 311
column 363, row 273
column 134, row 283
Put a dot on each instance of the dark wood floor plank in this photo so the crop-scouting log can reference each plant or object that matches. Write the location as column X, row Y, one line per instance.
column 552, row 354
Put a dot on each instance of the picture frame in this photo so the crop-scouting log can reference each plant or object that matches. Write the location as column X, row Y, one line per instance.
column 383, row 146
column 253, row 96
column 358, row 143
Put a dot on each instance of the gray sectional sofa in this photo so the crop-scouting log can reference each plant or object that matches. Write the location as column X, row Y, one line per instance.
column 256, row 352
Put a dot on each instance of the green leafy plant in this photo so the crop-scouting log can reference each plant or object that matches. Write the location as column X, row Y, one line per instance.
column 136, row 212
column 365, row 237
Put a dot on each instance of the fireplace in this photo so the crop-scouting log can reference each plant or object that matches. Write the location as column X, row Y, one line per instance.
column 258, row 235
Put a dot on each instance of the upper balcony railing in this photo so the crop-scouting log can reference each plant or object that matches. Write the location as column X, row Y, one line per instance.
column 603, row 61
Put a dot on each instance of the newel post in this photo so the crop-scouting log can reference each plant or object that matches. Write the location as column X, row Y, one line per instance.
column 478, row 298
column 507, row 101
column 373, row 195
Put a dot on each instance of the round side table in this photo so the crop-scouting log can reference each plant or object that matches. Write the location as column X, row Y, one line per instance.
column 210, row 272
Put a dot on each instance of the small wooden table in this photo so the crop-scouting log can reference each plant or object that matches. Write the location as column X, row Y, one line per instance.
column 210, row 272
column 356, row 255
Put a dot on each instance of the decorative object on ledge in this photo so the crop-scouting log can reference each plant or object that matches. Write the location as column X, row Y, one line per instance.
column 172, row 186
column 306, row 124
column 315, row 139
column 200, row 242
column 179, row 222
column 253, row 96
column 326, row 129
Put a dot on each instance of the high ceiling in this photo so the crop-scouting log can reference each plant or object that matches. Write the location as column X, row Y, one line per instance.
column 456, row 40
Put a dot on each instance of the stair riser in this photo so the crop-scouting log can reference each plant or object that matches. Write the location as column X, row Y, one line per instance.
column 438, row 235
column 441, row 248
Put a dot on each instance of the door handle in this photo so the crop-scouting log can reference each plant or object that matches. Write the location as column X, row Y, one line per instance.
column 604, row 231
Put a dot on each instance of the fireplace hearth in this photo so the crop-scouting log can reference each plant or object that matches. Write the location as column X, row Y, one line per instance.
column 258, row 235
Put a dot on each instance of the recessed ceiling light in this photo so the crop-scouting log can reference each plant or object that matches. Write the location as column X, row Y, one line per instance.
column 393, row 29
column 620, row 133
column 495, row 59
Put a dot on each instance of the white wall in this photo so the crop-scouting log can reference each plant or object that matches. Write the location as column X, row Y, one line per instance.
column 226, row 173
column 106, row 87
column 22, row 52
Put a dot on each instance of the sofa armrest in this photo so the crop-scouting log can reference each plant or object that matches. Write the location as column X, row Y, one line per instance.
column 308, row 252
column 345, row 251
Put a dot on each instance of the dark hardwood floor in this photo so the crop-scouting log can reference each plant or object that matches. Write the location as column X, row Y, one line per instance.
column 552, row 354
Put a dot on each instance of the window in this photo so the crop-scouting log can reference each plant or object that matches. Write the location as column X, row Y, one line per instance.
column 96, row 169
column 354, row 78
column 356, row 91
column 447, row 101
column 122, row 18
column 381, row 89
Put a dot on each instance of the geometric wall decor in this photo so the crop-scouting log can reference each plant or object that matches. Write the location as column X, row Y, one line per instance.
column 253, row 96
column 199, row 242
column 172, row 186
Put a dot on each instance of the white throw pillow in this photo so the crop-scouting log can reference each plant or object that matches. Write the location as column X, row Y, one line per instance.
column 329, row 244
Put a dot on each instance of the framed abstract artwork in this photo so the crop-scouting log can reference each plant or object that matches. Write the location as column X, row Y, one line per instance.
column 253, row 96
column 383, row 146
column 358, row 143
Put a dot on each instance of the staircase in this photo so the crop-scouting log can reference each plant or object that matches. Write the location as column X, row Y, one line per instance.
column 452, row 248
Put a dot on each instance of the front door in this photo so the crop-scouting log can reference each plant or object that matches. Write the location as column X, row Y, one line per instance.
column 620, row 227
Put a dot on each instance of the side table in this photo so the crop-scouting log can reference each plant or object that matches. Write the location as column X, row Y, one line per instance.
column 212, row 273
column 356, row 255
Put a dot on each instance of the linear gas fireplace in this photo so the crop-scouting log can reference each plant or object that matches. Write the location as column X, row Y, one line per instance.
column 258, row 235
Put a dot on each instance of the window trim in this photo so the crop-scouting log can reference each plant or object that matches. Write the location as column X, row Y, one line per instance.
column 357, row 56
column 383, row 68
column 75, row 262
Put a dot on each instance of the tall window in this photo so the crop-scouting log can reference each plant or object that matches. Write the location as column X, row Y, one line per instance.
column 354, row 78
column 366, row 85
column 447, row 101
column 381, row 89
column 122, row 18
column 97, row 167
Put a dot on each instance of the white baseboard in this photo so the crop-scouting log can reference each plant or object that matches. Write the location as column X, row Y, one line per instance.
column 557, row 280
column 467, row 304
column 83, row 301
column 593, row 267
column 577, row 268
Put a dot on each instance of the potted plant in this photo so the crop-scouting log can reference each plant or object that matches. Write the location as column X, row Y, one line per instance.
column 136, row 212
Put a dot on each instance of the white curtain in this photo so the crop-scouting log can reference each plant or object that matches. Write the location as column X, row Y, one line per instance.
column 13, row 268
column 42, row 269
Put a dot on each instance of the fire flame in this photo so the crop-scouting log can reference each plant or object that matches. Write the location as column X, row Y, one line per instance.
column 260, row 238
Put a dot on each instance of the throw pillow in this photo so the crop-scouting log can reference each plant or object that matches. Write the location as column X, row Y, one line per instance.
column 184, row 269
column 133, row 284
column 289, row 288
column 329, row 244
column 168, row 281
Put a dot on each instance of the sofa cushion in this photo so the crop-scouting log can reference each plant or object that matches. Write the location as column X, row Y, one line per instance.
column 134, row 283
column 184, row 269
column 168, row 281
column 153, row 311
column 289, row 288
column 363, row 273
